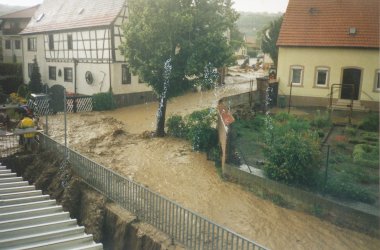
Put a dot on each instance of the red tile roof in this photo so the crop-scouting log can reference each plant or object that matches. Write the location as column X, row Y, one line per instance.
column 24, row 13
column 55, row 15
column 326, row 23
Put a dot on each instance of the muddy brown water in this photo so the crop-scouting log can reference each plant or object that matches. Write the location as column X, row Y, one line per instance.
column 170, row 167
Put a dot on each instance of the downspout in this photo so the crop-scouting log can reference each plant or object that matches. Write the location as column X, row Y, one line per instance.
column 75, row 84
column 110, row 34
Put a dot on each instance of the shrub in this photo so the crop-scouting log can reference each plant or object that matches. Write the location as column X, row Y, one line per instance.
column 103, row 101
column 176, row 126
column 10, row 69
column 321, row 120
column 292, row 157
column 201, row 133
column 35, row 83
column 350, row 130
column 23, row 90
column 370, row 122
column 366, row 155
column 56, row 102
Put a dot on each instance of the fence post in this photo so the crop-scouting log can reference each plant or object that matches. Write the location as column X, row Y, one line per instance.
column 327, row 167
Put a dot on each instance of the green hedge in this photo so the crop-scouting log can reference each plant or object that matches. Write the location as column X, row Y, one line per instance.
column 103, row 101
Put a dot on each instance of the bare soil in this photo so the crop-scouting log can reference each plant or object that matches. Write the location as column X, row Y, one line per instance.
column 170, row 167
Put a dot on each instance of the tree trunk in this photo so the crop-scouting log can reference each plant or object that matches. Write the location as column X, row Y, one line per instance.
column 161, row 113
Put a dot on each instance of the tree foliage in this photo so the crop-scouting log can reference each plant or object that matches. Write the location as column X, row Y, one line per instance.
column 187, row 34
column 35, row 83
column 269, row 36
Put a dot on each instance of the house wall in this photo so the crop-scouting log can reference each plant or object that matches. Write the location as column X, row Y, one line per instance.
column 336, row 59
column 119, row 88
column 8, row 53
column 30, row 55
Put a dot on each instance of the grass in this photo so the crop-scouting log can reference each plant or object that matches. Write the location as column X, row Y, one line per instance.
column 353, row 171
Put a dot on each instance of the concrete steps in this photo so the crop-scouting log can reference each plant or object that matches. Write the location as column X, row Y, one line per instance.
column 31, row 220
column 343, row 104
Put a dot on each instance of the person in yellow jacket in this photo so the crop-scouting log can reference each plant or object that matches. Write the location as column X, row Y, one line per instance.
column 27, row 138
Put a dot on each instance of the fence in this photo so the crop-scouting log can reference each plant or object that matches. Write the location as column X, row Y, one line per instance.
column 181, row 224
column 9, row 144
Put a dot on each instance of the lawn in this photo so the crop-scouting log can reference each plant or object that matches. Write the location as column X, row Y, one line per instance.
column 349, row 171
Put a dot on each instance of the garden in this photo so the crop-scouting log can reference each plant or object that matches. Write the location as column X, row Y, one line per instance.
column 312, row 152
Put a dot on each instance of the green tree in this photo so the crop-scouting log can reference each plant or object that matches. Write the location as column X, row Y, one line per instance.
column 269, row 36
column 35, row 83
column 166, row 41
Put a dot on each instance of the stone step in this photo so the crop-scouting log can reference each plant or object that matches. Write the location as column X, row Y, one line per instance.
column 41, row 237
column 8, row 224
column 14, row 184
column 16, row 189
column 11, row 179
column 20, row 194
column 3, row 167
column 69, row 242
column 94, row 246
column 40, row 228
column 27, row 205
column 6, row 202
column 30, row 213
column 8, row 175
column 5, row 171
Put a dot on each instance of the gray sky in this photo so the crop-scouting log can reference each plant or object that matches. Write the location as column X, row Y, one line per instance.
column 273, row 6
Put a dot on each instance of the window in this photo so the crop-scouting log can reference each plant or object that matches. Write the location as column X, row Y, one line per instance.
column 7, row 44
column 52, row 73
column 17, row 44
column 377, row 80
column 126, row 75
column 32, row 44
column 296, row 75
column 321, row 77
column 51, row 42
column 70, row 42
column 68, row 74
column 30, row 69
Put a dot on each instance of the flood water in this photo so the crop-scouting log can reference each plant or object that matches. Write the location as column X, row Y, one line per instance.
column 170, row 167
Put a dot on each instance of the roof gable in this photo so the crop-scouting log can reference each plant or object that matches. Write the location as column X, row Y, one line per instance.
column 326, row 23
column 55, row 15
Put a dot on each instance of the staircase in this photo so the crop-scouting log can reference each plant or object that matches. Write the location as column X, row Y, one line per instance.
column 31, row 220
column 344, row 104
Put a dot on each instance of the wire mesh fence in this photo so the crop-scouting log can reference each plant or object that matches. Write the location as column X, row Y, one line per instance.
column 181, row 224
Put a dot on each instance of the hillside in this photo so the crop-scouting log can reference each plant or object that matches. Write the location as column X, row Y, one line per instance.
column 250, row 23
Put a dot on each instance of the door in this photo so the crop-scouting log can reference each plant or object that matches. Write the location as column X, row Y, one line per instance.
column 351, row 83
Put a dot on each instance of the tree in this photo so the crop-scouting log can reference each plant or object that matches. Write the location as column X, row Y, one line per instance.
column 269, row 36
column 169, row 42
column 35, row 84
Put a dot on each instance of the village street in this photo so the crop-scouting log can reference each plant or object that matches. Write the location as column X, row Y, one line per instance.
column 170, row 167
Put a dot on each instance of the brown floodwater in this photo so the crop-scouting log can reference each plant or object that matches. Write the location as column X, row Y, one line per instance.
column 170, row 167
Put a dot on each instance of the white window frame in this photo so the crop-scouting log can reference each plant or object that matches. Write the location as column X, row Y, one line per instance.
column 32, row 44
column 293, row 67
column 319, row 69
column 376, row 86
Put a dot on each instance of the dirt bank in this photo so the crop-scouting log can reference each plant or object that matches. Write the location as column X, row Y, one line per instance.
column 170, row 167
column 115, row 227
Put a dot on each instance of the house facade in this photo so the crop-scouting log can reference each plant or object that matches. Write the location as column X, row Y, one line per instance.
column 330, row 48
column 76, row 44
column 10, row 26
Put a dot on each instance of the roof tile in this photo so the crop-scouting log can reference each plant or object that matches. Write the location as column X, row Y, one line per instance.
column 326, row 23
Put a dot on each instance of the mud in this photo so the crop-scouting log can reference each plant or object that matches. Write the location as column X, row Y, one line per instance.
column 170, row 167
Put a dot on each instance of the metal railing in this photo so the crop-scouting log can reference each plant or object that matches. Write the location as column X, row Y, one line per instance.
column 181, row 224
column 9, row 144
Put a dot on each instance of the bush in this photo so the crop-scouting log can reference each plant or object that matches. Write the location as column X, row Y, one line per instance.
column 370, row 122
column 103, row 101
column 198, row 128
column 23, row 90
column 56, row 102
column 176, row 126
column 292, row 154
column 10, row 69
column 366, row 155
column 321, row 120
column 10, row 84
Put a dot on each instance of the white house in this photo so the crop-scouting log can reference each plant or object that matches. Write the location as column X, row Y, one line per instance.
column 76, row 44
column 10, row 25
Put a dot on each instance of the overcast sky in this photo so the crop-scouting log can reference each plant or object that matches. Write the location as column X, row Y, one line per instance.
column 273, row 6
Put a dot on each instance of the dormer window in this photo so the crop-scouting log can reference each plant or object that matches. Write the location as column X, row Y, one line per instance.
column 39, row 17
column 352, row 31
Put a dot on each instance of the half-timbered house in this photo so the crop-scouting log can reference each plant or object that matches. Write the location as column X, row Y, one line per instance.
column 76, row 44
